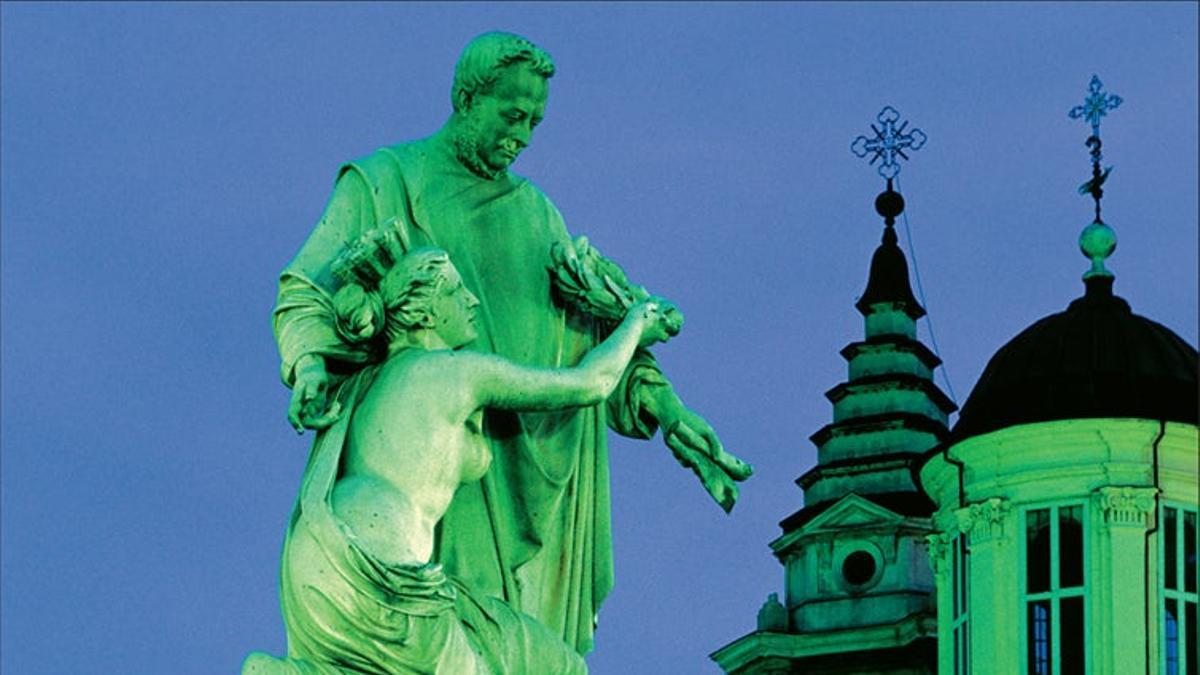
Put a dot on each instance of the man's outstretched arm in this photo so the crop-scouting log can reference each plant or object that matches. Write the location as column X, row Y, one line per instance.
column 593, row 284
column 646, row 400
column 696, row 445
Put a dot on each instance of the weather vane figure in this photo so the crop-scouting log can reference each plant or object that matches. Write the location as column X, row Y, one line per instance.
column 1097, row 241
column 889, row 143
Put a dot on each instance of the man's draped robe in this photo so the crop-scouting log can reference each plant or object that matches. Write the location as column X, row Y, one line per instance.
column 535, row 531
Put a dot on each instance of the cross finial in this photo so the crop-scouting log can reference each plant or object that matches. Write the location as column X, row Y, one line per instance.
column 1096, row 105
column 889, row 142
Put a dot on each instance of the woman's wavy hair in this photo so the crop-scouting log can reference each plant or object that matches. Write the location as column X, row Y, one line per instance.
column 385, row 293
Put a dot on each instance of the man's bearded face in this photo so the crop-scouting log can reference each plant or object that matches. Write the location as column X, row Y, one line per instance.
column 499, row 124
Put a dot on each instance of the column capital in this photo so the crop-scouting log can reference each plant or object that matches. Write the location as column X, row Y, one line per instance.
column 939, row 546
column 985, row 521
column 1124, row 505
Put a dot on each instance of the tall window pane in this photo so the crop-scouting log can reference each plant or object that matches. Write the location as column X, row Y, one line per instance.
column 1189, row 551
column 1179, row 544
column 1189, row 642
column 958, row 619
column 1070, row 626
column 958, row 652
column 960, row 577
column 1055, row 593
column 966, row 637
column 1037, row 551
column 1070, row 547
column 964, row 556
column 966, row 573
column 1170, row 534
column 1038, row 635
column 1171, row 634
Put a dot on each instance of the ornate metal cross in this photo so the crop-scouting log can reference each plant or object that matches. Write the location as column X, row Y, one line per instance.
column 1096, row 105
column 889, row 143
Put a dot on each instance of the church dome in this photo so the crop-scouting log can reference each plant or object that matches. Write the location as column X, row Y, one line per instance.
column 1096, row 359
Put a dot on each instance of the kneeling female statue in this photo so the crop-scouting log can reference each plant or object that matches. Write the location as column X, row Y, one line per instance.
column 359, row 593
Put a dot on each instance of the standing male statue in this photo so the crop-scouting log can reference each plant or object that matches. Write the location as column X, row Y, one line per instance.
column 535, row 531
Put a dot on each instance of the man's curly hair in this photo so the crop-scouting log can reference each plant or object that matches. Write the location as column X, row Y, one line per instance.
column 479, row 66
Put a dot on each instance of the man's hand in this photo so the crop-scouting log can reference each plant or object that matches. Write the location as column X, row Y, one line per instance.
column 716, row 482
column 696, row 446
column 310, row 393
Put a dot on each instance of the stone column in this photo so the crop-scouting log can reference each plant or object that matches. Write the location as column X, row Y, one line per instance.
column 1118, row 589
column 940, row 561
column 994, row 608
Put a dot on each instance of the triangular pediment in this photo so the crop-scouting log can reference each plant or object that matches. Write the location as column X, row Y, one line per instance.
column 851, row 511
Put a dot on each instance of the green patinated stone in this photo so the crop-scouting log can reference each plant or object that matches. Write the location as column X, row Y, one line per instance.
column 522, row 548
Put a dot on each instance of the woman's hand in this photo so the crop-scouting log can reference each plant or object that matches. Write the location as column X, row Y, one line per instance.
column 651, row 322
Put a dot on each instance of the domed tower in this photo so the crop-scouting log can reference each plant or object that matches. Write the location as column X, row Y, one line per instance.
column 858, row 590
column 1066, row 498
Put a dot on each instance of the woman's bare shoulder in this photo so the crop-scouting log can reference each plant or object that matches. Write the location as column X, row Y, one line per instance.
column 448, row 370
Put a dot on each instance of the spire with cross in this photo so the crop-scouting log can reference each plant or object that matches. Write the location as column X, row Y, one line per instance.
column 1097, row 241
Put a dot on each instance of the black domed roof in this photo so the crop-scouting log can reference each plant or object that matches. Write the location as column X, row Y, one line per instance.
column 1097, row 359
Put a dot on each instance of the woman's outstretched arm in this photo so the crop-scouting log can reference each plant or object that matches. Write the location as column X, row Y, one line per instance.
column 500, row 383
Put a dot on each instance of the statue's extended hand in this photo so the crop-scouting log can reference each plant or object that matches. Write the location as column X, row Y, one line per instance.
column 696, row 446
column 672, row 318
column 650, row 316
column 310, row 393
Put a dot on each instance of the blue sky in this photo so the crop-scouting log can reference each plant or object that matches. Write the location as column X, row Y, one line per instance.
column 162, row 162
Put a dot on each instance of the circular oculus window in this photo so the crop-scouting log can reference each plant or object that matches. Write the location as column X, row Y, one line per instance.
column 858, row 568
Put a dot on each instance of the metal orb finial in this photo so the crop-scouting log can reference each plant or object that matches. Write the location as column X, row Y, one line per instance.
column 1097, row 242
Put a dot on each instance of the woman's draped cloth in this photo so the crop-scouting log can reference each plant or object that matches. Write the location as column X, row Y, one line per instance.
column 535, row 531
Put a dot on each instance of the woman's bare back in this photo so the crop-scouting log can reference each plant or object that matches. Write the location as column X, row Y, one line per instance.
column 414, row 438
